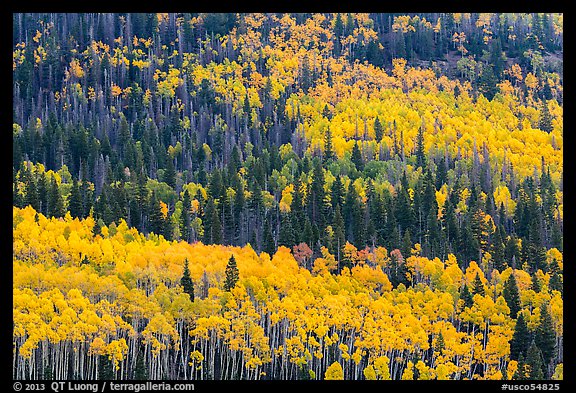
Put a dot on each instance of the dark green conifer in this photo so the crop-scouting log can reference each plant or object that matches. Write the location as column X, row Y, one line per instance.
column 520, row 339
column 512, row 296
column 186, row 281
column 232, row 274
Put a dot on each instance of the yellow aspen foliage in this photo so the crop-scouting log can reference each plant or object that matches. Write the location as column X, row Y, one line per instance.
column 102, row 290
column 286, row 200
column 116, row 90
column 445, row 371
column 425, row 372
column 164, row 209
column 554, row 254
column 334, row 372
column 408, row 373
column 75, row 69
column 382, row 367
column 116, row 351
column 558, row 372
column 531, row 81
column 511, row 369
column 502, row 196
column 369, row 373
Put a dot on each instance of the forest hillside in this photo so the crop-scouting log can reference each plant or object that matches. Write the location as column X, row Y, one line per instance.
column 288, row 196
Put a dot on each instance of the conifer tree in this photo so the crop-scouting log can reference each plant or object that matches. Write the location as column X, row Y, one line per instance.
column 404, row 212
column 512, row 296
column 186, row 281
column 185, row 216
column 157, row 221
column 555, row 283
column 170, row 174
column 441, row 173
column 140, row 369
column 268, row 244
column 420, row 154
column 105, row 369
column 339, row 233
column 522, row 372
column 216, row 227
column 534, row 362
column 55, row 200
column 286, row 237
column 497, row 250
column 545, row 336
column 378, row 130
column 521, row 338
column 337, row 194
column 545, row 119
column 297, row 211
column 466, row 296
column 329, row 154
column 535, row 286
column 48, row 374
column 487, row 82
column 232, row 274
column 406, row 244
column 75, row 200
column 478, row 286
column 31, row 198
column 356, row 157
column 316, row 198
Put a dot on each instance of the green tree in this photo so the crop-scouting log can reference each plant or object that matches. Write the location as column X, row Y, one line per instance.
column 75, row 200
column 545, row 119
column 522, row 373
column 520, row 339
column 512, row 296
column 466, row 296
column 232, row 274
column 215, row 227
column 555, row 283
column 306, row 79
column 105, row 369
column 268, row 244
column 378, row 130
column 534, row 362
column 339, row 233
column 545, row 336
column 404, row 212
column 478, row 286
column 329, row 154
column 487, row 82
column 297, row 211
column 156, row 217
column 286, row 236
column 140, row 369
column 356, row 157
column 497, row 249
column 316, row 197
column 354, row 217
column 31, row 198
column 337, row 193
column 170, row 174
column 185, row 216
column 406, row 244
column 420, row 153
column 55, row 200
column 48, row 374
column 186, row 281
column 535, row 286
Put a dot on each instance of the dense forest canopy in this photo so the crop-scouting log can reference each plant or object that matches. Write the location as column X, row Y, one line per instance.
column 288, row 196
